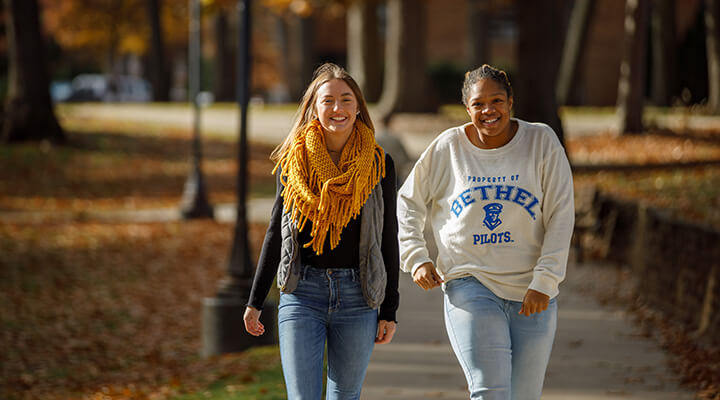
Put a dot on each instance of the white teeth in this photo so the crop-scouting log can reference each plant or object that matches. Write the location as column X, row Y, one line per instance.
column 338, row 118
column 490, row 121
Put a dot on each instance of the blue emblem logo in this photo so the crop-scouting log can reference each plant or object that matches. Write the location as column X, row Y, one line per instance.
column 492, row 215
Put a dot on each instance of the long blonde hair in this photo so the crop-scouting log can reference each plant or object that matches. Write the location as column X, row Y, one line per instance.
column 306, row 111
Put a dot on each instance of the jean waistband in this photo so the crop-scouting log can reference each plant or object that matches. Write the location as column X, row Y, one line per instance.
column 309, row 271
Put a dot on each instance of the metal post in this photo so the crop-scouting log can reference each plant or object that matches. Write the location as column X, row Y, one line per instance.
column 240, row 268
column 194, row 203
column 223, row 326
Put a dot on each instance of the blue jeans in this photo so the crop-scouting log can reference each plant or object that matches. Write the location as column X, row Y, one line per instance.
column 503, row 354
column 327, row 307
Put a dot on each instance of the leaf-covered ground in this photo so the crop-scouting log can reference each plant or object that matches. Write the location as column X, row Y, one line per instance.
column 109, row 171
column 112, row 310
column 678, row 172
column 96, row 310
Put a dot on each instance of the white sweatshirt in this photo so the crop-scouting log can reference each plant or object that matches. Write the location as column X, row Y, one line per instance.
column 504, row 216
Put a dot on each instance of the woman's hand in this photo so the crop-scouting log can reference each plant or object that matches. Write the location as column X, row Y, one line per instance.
column 426, row 277
column 252, row 321
column 534, row 302
column 386, row 331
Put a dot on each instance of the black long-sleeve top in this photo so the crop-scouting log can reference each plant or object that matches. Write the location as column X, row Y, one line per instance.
column 345, row 255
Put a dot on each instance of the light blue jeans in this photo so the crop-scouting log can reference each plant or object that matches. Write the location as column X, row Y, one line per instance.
column 327, row 307
column 503, row 354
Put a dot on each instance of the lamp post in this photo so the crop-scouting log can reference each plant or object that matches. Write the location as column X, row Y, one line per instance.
column 194, row 203
column 240, row 267
column 223, row 326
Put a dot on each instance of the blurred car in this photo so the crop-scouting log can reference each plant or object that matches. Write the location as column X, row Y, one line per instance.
column 114, row 88
column 60, row 91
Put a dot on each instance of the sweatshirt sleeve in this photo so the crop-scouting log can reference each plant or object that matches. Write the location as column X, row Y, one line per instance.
column 269, row 255
column 389, row 246
column 558, row 218
column 412, row 208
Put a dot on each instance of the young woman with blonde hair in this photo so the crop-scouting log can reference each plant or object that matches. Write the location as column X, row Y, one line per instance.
column 332, row 242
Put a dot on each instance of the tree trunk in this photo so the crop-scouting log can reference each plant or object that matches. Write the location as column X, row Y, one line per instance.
column 664, row 60
column 406, row 86
column 224, row 83
column 537, row 69
column 478, row 33
column 572, row 50
column 631, row 86
column 364, row 58
column 712, row 41
column 301, row 56
column 29, row 113
column 114, row 66
column 159, row 76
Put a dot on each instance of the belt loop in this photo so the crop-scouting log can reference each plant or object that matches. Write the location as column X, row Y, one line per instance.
column 304, row 271
column 355, row 277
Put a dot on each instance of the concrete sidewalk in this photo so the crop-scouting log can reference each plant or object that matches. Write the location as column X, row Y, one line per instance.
column 597, row 353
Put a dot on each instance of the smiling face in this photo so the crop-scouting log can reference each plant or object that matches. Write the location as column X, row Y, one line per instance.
column 489, row 108
column 336, row 107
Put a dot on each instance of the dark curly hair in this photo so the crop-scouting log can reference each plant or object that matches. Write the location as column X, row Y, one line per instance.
column 485, row 72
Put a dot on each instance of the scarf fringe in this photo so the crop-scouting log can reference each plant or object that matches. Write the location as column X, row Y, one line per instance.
column 328, row 195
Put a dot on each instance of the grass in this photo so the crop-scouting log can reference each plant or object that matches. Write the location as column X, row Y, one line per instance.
column 265, row 383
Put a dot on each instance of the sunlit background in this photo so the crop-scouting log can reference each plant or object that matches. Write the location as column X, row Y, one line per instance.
column 103, row 273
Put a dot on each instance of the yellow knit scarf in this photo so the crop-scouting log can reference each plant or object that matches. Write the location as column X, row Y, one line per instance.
column 327, row 194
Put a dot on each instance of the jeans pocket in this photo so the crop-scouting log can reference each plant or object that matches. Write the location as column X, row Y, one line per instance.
column 310, row 287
